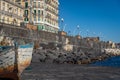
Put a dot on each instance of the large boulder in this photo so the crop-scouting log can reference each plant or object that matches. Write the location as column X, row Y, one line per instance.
column 68, row 47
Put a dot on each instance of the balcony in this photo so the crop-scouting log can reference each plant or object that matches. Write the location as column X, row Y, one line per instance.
column 52, row 4
column 48, row 16
column 15, row 4
column 37, row 14
column 41, row 7
column 5, row 13
column 11, row 14
column 52, row 11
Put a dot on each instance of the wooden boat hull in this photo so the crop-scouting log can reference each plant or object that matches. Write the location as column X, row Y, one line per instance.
column 24, row 56
column 7, row 60
column 14, row 60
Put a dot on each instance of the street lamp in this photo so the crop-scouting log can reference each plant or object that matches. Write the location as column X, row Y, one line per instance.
column 78, row 28
column 62, row 20
column 64, row 27
column 87, row 31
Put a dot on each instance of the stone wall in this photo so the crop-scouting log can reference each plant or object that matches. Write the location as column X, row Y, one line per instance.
column 43, row 36
column 17, row 31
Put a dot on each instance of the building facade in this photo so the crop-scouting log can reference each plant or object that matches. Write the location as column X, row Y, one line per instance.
column 43, row 13
column 11, row 12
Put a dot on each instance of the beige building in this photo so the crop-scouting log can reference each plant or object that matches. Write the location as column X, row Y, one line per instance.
column 43, row 13
column 11, row 12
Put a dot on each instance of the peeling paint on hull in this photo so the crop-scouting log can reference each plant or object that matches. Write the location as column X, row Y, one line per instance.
column 14, row 61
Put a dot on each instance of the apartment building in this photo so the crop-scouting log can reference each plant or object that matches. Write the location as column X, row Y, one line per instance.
column 43, row 13
column 11, row 12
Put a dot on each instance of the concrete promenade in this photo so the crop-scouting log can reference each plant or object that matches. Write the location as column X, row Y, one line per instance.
column 38, row 71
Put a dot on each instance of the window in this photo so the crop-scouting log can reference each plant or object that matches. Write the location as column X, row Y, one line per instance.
column 20, row 12
column 34, row 18
column 26, row 12
column 39, row 4
column 34, row 11
column 43, row 28
column 16, row 10
column 38, row 18
column 26, row 19
column 3, row 6
column 26, row 4
column 39, row 12
column 42, row 5
column 7, row 7
column 34, row 4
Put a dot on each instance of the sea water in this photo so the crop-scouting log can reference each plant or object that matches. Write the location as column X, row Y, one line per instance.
column 109, row 62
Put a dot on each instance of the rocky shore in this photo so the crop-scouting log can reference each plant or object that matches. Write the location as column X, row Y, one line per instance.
column 55, row 63
column 70, row 57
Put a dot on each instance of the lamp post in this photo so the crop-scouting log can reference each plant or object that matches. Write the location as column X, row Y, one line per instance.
column 62, row 20
column 64, row 27
column 78, row 28
column 87, row 31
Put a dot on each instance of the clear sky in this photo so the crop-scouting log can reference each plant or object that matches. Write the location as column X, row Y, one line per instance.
column 95, row 18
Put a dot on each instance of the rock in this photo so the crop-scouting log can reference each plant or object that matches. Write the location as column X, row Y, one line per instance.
column 61, row 59
column 81, row 56
column 36, row 57
column 78, row 62
column 68, row 47
column 48, row 59
column 85, row 61
column 42, row 57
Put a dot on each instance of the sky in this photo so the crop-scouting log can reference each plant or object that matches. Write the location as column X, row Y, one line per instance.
column 94, row 18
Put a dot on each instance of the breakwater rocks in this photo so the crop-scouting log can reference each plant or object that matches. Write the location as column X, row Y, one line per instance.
column 71, row 57
column 113, row 52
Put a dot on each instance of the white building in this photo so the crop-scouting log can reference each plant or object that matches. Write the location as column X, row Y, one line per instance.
column 43, row 13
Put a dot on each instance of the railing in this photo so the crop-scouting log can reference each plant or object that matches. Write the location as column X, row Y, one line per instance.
column 11, row 2
column 41, row 7
column 13, row 23
column 52, row 5
column 37, row 14
column 11, row 14
column 52, row 11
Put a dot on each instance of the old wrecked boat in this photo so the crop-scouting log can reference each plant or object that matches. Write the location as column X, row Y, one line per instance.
column 15, row 52
column 13, row 60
